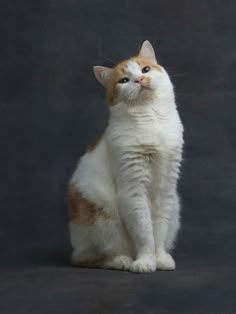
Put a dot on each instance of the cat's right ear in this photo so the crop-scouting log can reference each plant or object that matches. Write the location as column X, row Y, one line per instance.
column 103, row 74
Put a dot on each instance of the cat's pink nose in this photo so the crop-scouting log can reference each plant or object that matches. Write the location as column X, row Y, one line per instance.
column 139, row 79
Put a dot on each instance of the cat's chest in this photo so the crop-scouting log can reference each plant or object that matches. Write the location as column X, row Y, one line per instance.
column 145, row 135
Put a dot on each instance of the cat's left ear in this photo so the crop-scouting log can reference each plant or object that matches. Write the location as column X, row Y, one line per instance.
column 147, row 51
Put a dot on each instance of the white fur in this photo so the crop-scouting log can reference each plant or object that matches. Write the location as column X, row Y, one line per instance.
column 132, row 173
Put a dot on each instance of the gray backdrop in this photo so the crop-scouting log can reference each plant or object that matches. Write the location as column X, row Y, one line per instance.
column 52, row 107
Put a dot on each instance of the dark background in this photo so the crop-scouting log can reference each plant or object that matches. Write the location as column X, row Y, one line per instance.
column 52, row 107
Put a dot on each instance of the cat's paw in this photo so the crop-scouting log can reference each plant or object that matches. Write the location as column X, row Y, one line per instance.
column 165, row 262
column 120, row 262
column 143, row 265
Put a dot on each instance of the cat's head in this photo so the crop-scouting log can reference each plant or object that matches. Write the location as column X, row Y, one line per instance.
column 136, row 79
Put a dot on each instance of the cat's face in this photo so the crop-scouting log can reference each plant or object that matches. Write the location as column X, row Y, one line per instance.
column 135, row 79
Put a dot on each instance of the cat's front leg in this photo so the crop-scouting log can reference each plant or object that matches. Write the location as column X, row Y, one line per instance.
column 161, row 224
column 137, row 218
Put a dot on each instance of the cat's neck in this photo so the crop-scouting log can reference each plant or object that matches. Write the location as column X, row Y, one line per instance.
column 161, row 104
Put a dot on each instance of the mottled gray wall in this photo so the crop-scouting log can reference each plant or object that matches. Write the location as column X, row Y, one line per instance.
column 52, row 107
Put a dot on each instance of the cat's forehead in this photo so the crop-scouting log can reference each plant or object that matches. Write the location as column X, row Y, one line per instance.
column 133, row 65
column 123, row 67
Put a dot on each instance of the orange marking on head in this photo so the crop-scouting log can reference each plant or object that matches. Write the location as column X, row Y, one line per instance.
column 143, row 62
column 118, row 73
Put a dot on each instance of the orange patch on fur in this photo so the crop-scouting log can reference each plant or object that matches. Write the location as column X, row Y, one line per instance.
column 118, row 72
column 93, row 263
column 95, row 143
column 81, row 210
column 146, row 62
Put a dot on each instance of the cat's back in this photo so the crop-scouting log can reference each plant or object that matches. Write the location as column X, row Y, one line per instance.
column 92, row 175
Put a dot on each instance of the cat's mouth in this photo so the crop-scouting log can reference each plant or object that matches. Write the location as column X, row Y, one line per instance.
column 140, row 91
column 145, row 88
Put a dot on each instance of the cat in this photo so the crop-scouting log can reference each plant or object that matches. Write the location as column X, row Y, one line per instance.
column 124, row 207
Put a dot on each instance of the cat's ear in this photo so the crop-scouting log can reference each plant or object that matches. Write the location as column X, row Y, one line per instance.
column 102, row 74
column 147, row 51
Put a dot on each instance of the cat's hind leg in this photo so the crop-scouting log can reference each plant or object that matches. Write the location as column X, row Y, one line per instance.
column 98, row 251
column 119, row 262
column 101, row 245
column 97, row 235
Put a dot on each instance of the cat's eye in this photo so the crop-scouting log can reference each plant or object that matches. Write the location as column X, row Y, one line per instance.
column 124, row 80
column 146, row 69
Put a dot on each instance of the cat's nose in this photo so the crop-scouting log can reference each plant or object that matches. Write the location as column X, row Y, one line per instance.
column 139, row 79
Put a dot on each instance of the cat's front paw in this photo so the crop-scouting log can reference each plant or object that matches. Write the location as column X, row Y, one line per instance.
column 165, row 262
column 143, row 265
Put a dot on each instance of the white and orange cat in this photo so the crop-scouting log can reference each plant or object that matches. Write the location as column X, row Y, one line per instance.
column 124, row 206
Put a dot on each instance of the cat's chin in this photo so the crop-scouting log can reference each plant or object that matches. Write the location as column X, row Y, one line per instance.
column 145, row 88
column 144, row 94
column 146, row 91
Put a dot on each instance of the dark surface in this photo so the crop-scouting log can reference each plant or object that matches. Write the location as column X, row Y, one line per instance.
column 52, row 107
